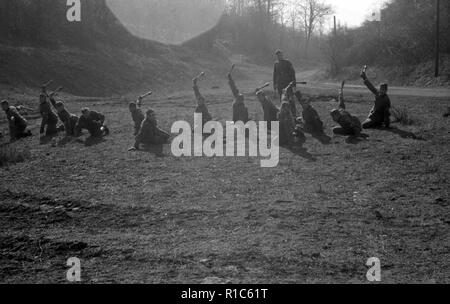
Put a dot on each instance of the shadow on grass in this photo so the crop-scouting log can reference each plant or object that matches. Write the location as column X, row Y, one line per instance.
column 402, row 133
column 300, row 151
column 93, row 141
column 156, row 150
column 354, row 140
column 322, row 138
column 44, row 140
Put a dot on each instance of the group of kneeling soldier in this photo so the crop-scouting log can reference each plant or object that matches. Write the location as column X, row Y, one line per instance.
column 147, row 132
column 292, row 128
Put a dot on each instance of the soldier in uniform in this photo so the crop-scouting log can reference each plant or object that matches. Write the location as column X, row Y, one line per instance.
column 68, row 119
column 137, row 115
column 349, row 125
column 201, row 104
column 310, row 118
column 93, row 122
column 240, row 111
column 49, row 118
column 17, row 123
column 270, row 110
column 283, row 74
column 290, row 131
column 149, row 133
column 380, row 114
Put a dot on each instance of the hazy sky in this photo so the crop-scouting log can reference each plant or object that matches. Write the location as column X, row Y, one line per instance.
column 354, row 12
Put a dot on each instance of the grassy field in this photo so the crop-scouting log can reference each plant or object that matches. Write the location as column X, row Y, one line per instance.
column 135, row 217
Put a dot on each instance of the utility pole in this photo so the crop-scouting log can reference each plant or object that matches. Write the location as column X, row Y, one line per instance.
column 438, row 20
column 335, row 29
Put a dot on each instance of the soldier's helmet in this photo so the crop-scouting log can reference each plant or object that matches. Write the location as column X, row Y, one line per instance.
column 149, row 112
column 240, row 98
column 85, row 111
column 42, row 98
column 335, row 114
column 4, row 104
column 59, row 104
column 132, row 106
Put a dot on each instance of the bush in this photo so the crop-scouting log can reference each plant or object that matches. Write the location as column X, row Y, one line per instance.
column 402, row 116
column 12, row 155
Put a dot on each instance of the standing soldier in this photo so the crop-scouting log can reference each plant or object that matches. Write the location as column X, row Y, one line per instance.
column 349, row 125
column 283, row 73
column 49, row 118
column 93, row 122
column 380, row 113
column 201, row 104
column 17, row 123
column 149, row 133
column 240, row 111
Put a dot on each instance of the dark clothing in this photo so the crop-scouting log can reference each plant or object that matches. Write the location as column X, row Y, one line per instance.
column 93, row 123
column 283, row 75
column 240, row 111
column 68, row 119
column 138, row 118
column 380, row 113
column 311, row 119
column 287, row 124
column 343, row 131
column 201, row 107
column 49, row 119
column 17, row 123
column 150, row 134
column 270, row 110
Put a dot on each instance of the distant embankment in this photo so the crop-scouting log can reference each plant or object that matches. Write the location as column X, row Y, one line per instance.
column 94, row 57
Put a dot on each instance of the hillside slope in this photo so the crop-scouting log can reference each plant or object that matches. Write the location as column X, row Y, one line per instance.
column 94, row 57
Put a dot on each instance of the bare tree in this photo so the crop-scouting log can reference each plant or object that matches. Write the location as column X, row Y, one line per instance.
column 312, row 13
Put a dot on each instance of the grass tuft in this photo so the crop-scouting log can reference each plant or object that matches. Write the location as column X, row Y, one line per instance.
column 401, row 115
column 13, row 155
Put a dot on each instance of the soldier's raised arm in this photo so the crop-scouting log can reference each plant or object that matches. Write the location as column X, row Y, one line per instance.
column 197, row 93
column 233, row 86
column 367, row 82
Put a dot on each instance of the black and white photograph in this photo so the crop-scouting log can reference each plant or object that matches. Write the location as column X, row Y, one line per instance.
column 224, row 143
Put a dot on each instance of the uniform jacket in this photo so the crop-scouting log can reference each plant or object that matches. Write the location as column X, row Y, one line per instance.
column 283, row 74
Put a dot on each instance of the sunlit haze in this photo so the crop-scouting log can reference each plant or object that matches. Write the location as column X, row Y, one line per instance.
column 354, row 12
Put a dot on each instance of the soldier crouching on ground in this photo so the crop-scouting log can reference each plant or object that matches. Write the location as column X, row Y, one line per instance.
column 136, row 112
column 380, row 113
column 68, row 119
column 17, row 123
column 290, row 132
column 201, row 104
column 240, row 111
column 269, row 109
column 349, row 124
column 310, row 120
column 137, row 115
column 149, row 133
column 93, row 122
column 49, row 118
